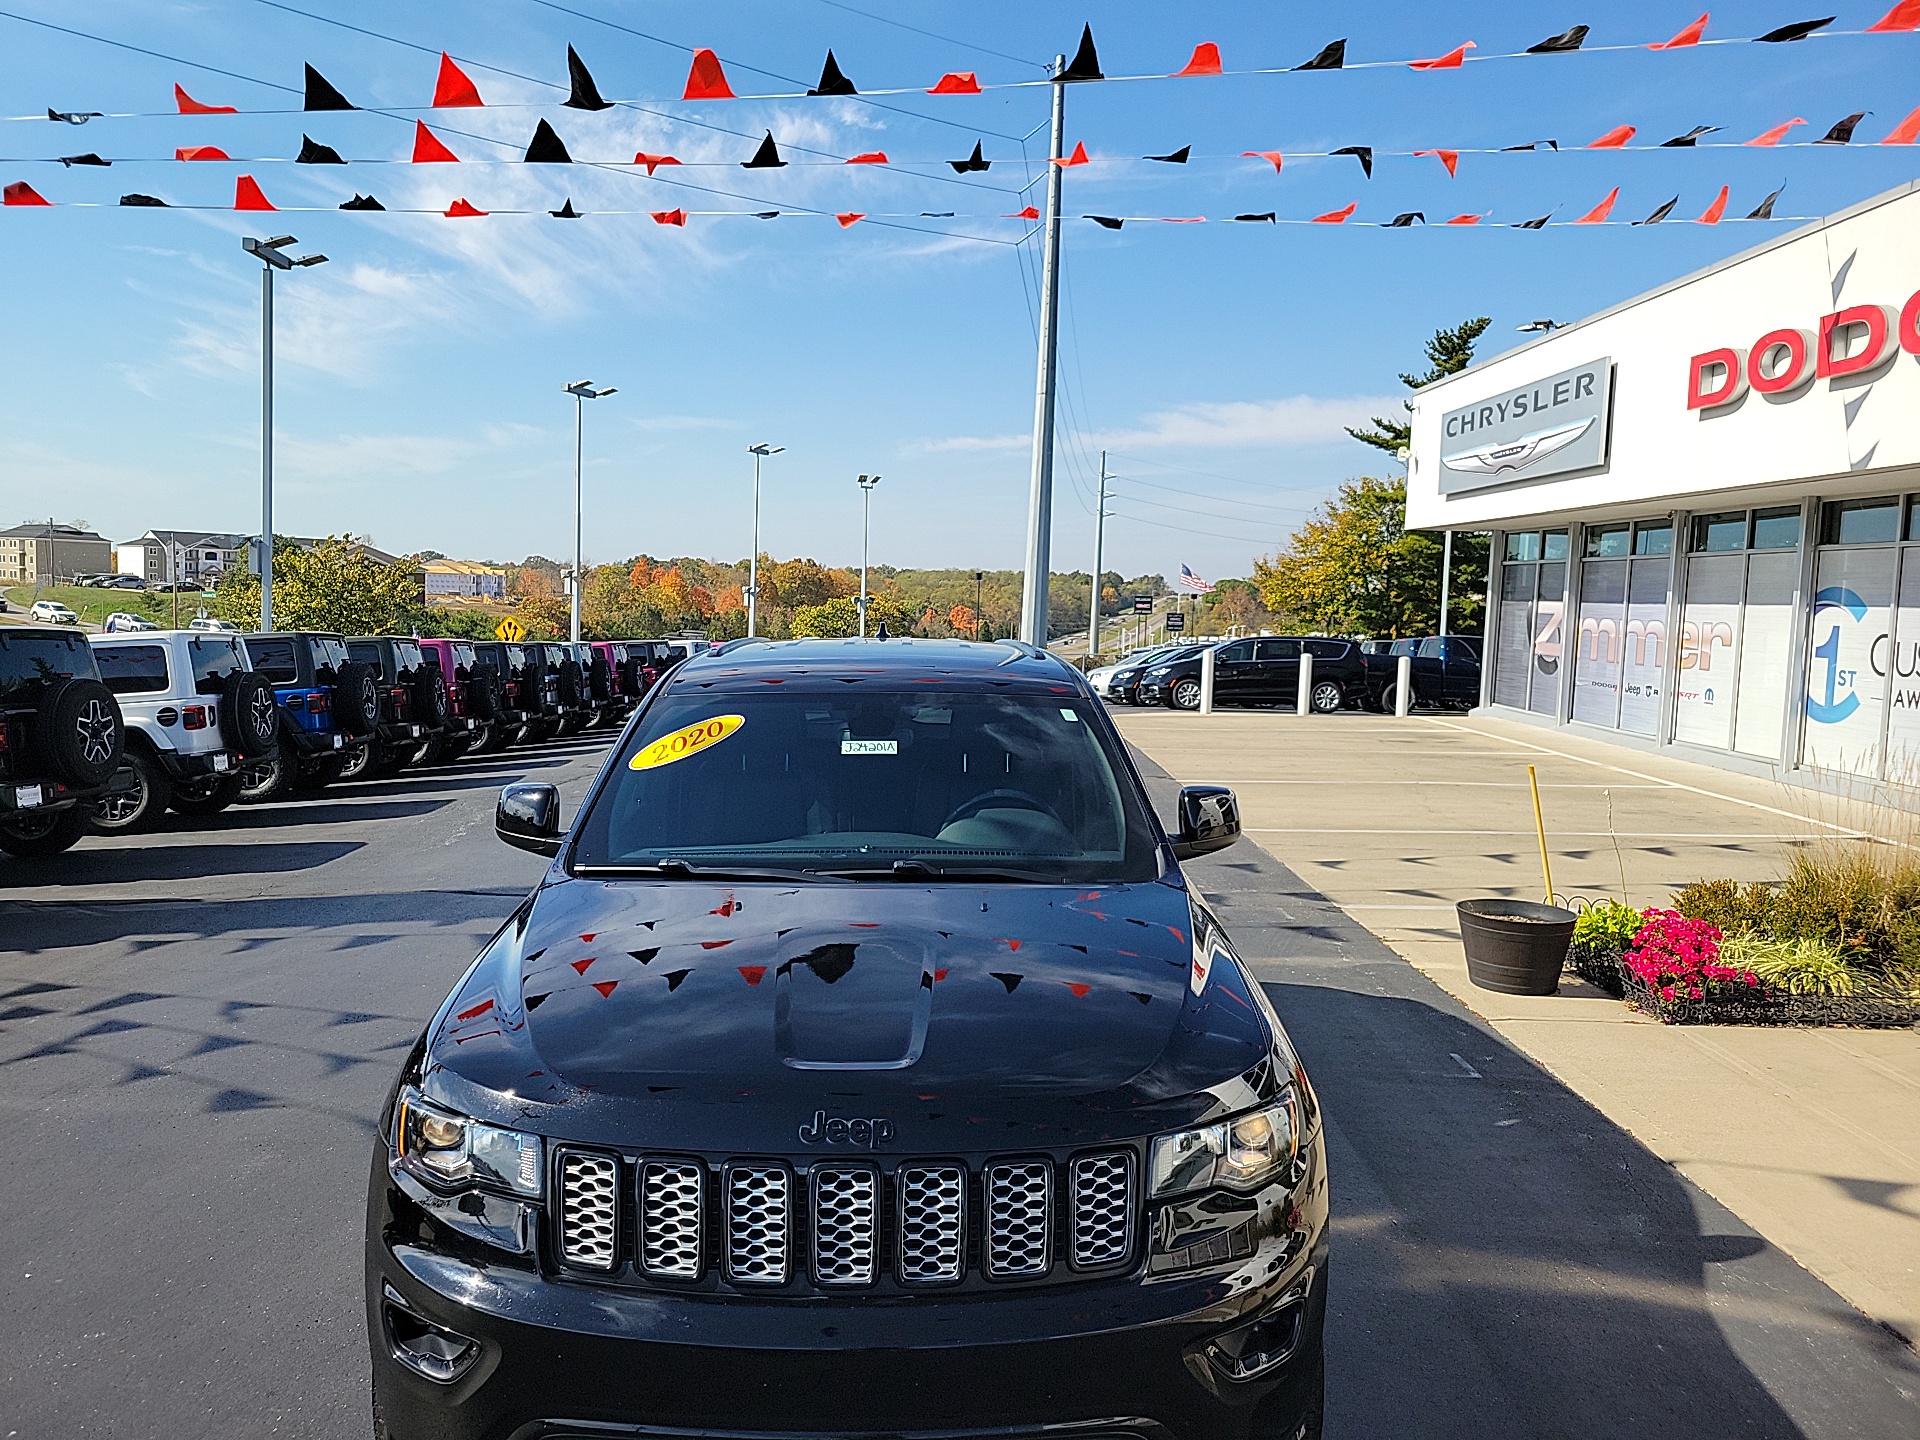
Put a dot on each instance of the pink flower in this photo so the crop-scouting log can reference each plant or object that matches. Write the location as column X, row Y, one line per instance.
column 1677, row 957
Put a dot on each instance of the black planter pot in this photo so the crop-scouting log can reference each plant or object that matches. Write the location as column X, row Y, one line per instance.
column 1515, row 947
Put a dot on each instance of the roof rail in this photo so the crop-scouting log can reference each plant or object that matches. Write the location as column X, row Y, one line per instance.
column 725, row 647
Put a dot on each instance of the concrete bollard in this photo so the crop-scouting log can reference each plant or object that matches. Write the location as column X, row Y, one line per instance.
column 1303, row 696
column 1206, row 681
column 1403, row 685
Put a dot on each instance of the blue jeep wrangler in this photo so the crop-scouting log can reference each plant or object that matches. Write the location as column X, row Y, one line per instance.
column 329, row 708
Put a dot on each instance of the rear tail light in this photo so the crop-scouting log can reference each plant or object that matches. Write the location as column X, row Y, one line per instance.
column 318, row 703
column 194, row 717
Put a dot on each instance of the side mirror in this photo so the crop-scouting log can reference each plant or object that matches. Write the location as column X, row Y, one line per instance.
column 1209, row 821
column 528, row 818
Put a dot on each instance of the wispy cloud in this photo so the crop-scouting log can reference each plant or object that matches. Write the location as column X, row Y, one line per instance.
column 1286, row 423
column 977, row 442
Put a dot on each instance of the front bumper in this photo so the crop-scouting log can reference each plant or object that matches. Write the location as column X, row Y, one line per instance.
column 1150, row 694
column 1118, row 1358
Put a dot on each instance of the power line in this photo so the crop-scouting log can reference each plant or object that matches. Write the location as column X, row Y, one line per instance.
column 944, row 39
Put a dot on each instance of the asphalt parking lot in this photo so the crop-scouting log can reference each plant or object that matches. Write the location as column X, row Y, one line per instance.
column 197, row 1028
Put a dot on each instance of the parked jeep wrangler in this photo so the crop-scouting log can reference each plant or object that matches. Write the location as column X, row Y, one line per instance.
column 607, row 684
column 328, row 709
column 61, row 738
column 473, row 698
column 194, row 713
column 569, row 686
column 509, row 665
column 413, row 698
column 539, row 692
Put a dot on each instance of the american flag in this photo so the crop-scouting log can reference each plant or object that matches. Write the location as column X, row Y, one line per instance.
column 1192, row 582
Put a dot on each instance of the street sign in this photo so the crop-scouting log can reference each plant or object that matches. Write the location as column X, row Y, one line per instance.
column 1176, row 622
column 1143, row 604
column 510, row 630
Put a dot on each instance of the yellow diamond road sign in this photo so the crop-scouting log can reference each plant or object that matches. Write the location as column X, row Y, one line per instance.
column 511, row 630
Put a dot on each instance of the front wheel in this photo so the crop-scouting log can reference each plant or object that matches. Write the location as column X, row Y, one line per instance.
column 1328, row 698
column 205, row 794
column 126, row 811
column 34, row 835
column 1185, row 695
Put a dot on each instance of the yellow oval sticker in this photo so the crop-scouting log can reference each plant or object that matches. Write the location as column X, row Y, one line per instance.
column 682, row 743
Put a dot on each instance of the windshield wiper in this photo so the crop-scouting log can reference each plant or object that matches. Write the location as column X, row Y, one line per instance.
column 674, row 868
column 921, row 870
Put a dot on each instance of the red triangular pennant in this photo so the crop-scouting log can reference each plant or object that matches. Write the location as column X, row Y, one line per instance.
column 1027, row 214
column 580, row 966
column 1452, row 60
column 753, row 974
column 1711, row 215
column 706, row 80
column 870, row 157
column 247, row 194
column 1079, row 156
column 1904, row 16
column 21, row 193
column 654, row 162
column 1689, row 36
column 1274, row 157
column 1337, row 217
column 1600, row 212
column 427, row 149
column 190, row 106
column 1205, row 61
column 605, row 987
column 461, row 210
column 1907, row 132
column 453, row 90
column 1777, row 133
column 1448, row 158
column 1466, row 219
column 850, row 217
column 669, row 217
column 201, row 152
column 956, row 82
column 1081, row 991
column 1614, row 138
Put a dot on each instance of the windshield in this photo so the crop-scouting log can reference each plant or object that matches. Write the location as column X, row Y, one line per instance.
column 911, row 786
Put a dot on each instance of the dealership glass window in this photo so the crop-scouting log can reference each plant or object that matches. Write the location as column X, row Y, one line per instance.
column 1913, row 517
column 1710, row 625
column 1846, row 682
column 1777, row 528
column 1549, row 627
column 1719, row 532
column 1524, row 546
column 1643, row 649
column 1599, row 638
column 1766, row 645
column 1903, row 659
column 1653, row 537
column 1606, row 541
column 1860, row 522
column 1514, row 646
column 1533, row 605
column 1553, row 545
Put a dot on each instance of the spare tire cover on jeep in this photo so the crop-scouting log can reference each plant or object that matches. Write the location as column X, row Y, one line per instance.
column 630, row 676
column 483, row 692
column 600, row 678
column 78, row 733
column 430, row 696
column 569, row 682
column 532, row 686
column 249, row 714
column 356, row 699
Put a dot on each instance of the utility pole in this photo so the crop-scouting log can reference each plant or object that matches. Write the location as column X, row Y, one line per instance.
column 759, row 453
column 1099, row 536
column 978, row 577
column 582, row 391
column 867, row 482
column 268, row 253
column 1033, row 594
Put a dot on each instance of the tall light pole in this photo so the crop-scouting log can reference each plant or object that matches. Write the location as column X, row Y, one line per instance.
column 582, row 391
column 867, row 482
column 978, row 576
column 759, row 453
column 1033, row 594
column 268, row 253
column 1099, row 537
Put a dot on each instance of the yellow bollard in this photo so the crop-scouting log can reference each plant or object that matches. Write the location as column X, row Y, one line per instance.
column 1540, row 828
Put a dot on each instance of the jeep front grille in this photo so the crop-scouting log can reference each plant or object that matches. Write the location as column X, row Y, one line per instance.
column 846, row 1224
column 1019, row 1208
column 588, row 1207
column 672, row 1205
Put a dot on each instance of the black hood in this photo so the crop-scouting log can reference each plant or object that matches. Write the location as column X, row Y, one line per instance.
column 689, row 1015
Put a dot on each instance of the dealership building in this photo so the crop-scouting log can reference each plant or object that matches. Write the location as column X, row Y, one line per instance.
column 1705, row 506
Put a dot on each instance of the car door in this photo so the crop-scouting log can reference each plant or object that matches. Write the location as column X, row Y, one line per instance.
column 1462, row 670
column 1276, row 670
column 1233, row 672
column 1429, row 670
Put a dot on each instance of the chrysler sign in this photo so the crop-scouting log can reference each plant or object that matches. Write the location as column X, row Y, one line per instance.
column 1550, row 427
column 1781, row 364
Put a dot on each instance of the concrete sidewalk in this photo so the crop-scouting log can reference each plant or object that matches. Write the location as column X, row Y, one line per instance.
column 1810, row 1136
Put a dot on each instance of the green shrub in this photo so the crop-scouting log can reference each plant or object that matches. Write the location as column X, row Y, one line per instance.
column 1799, row 967
column 1727, row 905
column 1606, row 928
column 1862, row 900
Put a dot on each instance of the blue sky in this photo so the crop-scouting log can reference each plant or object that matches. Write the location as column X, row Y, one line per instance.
column 420, row 371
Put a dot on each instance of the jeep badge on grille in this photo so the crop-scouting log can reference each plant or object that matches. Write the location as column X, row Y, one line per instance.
column 867, row 1134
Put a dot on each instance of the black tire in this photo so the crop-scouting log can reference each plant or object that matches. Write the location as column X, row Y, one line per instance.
column 34, row 835
column 356, row 763
column 249, row 713
column 534, row 731
column 1184, row 694
column 434, row 750
column 630, row 681
column 483, row 692
column 571, row 724
column 77, row 732
column 389, row 761
column 487, row 737
column 570, row 683
column 124, row 812
column 1390, row 700
column 205, row 794
column 317, row 774
column 1328, row 697
column 429, row 687
column 600, row 679
column 356, row 699
column 268, row 777
column 530, row 688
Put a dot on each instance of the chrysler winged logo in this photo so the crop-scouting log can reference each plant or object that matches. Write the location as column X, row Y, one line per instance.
column 1517, row 455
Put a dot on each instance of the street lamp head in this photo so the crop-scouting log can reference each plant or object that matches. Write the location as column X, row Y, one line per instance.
column 1545, row 327
column 867, row 482
column 311, row 260
column 583, row 389
column 765, row 449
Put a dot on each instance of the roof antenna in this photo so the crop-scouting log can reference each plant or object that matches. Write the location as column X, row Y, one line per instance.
column 881, row 633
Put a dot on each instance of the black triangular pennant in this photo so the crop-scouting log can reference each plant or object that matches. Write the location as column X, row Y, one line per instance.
column 322, row 96
column 585, row 94
column 767, row 215
column 1362, row 153
column 1764, row 210
column 1561, row 44
column 1842, row 131
column 1175, row 157
column 1401, row 222
column 73, row 117
column 767, row 157
column 312, row 152
column 566, row 211
column 1333, row 57
column 1531, row 145
column 1109, row 221
column 832, row 82
column 936, row 214
column 1799, row 30
column 87, row 159
column 1085, row 64
column 546, row 148
column 975, row 161
column 361, row 202
column 1657, row 216
column 1272, row 217
column 1690, row 139
column 1539, row 222
column 143, row 200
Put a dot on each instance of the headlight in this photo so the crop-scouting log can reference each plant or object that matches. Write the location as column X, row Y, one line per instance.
column 450, row 1151
column 1240, row 1154
column 1158, row 670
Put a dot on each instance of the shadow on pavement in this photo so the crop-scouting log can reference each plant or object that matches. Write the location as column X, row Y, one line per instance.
column 87, row 865
column 266, row 817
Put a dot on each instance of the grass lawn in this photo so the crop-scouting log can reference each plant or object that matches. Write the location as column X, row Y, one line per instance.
column 93, row 606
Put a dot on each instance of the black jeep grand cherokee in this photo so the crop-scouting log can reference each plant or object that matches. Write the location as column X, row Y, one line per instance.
column 864, row 1065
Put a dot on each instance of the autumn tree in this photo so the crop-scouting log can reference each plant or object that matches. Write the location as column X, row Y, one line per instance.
column 841, row 616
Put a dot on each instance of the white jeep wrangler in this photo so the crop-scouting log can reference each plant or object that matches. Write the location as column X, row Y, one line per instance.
column 194, row 712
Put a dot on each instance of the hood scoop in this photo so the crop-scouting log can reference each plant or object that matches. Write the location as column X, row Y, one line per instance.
column 859, row 1004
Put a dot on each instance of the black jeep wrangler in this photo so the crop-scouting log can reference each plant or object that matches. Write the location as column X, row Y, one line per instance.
column 61, row 739
column 413, row 698
column 328, row 705
column 508, row 664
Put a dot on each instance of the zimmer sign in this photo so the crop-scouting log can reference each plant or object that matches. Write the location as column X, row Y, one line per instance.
column 1549, row 427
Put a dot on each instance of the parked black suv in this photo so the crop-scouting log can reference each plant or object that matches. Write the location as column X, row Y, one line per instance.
column 1263, row 670
column 329, row 706
column 864, row 1065
column 1445, row 670
column 61, row 739
column 413, row 698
